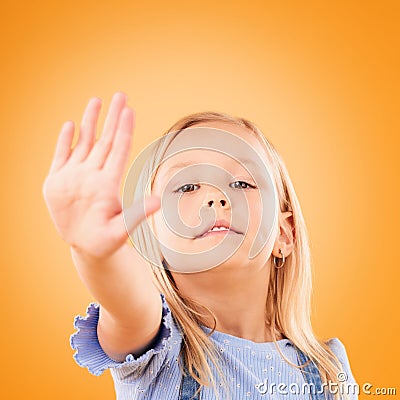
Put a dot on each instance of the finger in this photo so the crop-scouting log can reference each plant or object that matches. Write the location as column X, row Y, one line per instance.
column 63, row 147
column 130, row 218
column 87, row 131
column 118, row 155
column 104, row 144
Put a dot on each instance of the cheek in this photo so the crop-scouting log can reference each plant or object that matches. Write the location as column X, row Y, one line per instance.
column 159, row 226
column 189, row 209
column 255, row 208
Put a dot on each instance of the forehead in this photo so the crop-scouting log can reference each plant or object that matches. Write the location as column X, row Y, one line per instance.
column 235, row 129
column 220, row 143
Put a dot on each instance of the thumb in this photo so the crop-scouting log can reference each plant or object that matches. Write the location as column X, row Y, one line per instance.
column 139, row 210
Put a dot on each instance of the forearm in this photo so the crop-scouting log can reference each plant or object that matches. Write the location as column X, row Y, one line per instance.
column 130, row 312
column 122, row 283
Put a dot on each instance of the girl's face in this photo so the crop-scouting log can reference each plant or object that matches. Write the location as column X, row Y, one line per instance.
column 215, row 209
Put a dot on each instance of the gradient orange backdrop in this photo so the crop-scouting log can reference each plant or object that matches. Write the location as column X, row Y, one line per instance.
column 321, row 79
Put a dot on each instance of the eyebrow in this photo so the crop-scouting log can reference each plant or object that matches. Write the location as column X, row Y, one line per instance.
column 180, row 165
column 184, row 164
column 189, row 163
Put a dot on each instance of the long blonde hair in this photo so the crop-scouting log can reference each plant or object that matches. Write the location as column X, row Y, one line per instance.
column 288, row 303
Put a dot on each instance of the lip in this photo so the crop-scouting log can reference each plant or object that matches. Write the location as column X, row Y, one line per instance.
column 222, row 223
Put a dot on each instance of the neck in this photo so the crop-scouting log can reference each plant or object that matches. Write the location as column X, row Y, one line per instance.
column 236, row 295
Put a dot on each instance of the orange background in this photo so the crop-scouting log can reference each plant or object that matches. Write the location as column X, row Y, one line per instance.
column 321, row 79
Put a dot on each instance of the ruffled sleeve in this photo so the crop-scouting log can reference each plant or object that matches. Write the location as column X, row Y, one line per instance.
column 90, row 354
column 346, row 376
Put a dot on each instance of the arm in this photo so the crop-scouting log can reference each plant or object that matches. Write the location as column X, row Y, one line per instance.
column 130, row 312
column 81, row 192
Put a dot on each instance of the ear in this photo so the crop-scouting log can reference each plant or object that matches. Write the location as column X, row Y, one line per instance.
column 286, row 235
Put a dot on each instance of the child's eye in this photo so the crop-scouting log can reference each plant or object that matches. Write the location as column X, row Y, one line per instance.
column 189, row 187
column 241, row 185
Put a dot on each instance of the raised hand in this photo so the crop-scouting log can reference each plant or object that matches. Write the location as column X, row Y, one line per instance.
column 81, row 190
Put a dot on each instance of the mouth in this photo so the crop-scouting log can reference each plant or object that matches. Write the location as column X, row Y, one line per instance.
column 220, row 228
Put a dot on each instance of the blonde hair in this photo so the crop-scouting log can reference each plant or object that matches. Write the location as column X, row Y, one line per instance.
column 288, row 303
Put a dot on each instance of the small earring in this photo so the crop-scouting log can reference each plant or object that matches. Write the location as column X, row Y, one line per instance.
column 283, row 259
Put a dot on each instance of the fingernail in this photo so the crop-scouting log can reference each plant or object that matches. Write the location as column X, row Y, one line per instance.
column 121, row 93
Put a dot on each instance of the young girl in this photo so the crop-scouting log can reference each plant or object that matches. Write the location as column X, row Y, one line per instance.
column 213, row 300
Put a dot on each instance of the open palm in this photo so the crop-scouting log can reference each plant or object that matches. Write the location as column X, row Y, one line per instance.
column 82, row 188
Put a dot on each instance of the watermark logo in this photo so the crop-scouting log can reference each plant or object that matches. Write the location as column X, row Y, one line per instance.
column 207, row 178
column 342, row 387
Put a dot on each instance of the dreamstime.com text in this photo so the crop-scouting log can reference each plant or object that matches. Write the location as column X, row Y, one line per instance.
column 342, row 387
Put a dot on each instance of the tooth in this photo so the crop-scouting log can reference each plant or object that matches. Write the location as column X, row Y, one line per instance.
column 219, row 228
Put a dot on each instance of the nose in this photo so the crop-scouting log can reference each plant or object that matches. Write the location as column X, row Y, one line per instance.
column 216, row 199
column 223, row 202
